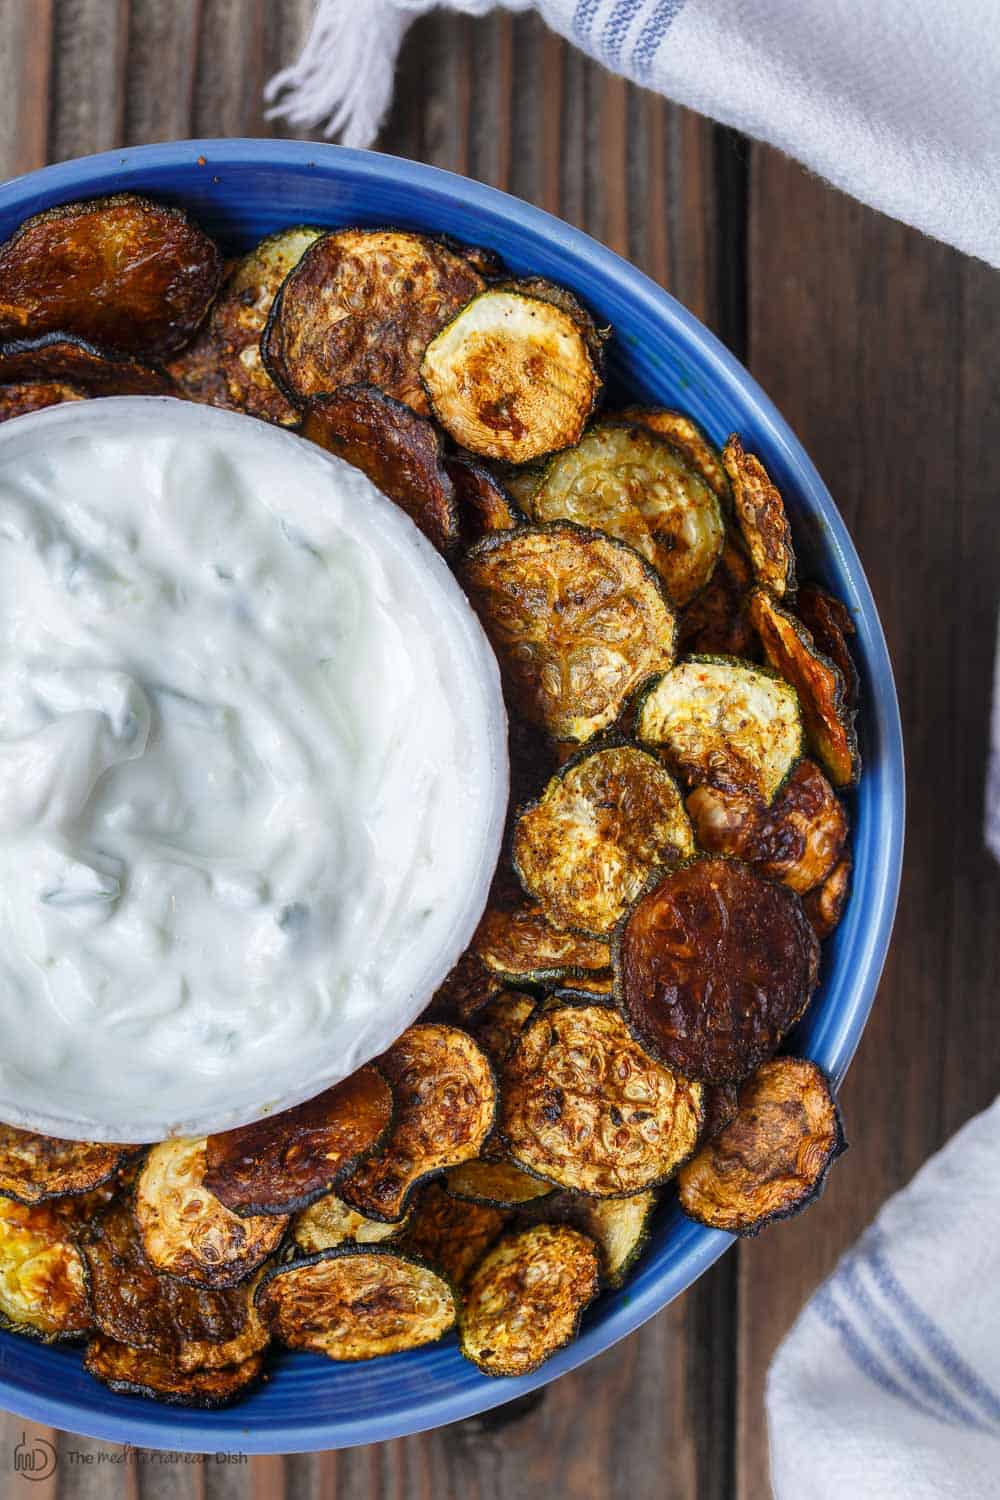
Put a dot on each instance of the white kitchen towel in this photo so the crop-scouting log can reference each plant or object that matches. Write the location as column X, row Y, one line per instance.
column 888, row 1386
column 895, row 101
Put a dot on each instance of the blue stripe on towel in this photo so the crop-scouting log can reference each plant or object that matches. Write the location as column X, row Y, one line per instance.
column 583, row 18
column 664, row 13
column 858, row 1351
column 616, row 30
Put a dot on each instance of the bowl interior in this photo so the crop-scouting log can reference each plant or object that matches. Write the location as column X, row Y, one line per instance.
column 240, row 191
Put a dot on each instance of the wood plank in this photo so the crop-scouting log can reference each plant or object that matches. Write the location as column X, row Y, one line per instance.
column 29, row 1459
column 160, row 70
column 89, row 48
column 879, row 347
column 25, row 63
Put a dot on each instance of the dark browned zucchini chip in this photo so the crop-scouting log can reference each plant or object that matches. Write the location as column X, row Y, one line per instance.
column 34, row 395
column 357, row 1302
column 72, row 361
column 123, row 272
column 159, row 1377
column 445, row 1098
column 721, row 1100
column 186, row 1232
column 522, row 947
column 714, row 965
column 512, row 376
column 330, row 1222
column 399, row 451
column 825, row 905
column 223, row 366
column 495, row 1184
column 284, row 1161
column 499, row 1024
column 618, row 1226
column 636, row 486
column 34, row 1167
column 724, row 722
column 797, row 840
column 829, row 622
column 583, row 1106
column 715, row 622
column 450, row 1235
column 829, row 722
column 525, row 1299
column 360, row 308
column 577, row 619
column 760, row 512
column 587, row 847
column 771, row 1160
column 483, row 503
column 465, row 991
column 683, row 431
column 43, row 1289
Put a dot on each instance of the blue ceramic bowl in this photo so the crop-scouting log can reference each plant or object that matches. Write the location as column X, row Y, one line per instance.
column 240, row 191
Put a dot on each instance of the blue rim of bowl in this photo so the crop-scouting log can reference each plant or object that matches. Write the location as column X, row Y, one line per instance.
column 833, row 1043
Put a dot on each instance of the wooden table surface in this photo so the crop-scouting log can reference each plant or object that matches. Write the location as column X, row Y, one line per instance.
column 880, row 347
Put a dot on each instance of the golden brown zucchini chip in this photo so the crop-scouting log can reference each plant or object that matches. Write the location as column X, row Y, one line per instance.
column 829, row 722
column 577, row 619
column 563, row 298
column 683, row 431
column 223, row 366
column 722, row 721
column 771, row 1160
column 43, row 1289
column 525, row 1299
column 399, row 451
column 499, row 1024
column 34, row 1167
column 330, row 1222
column 123, row 272
column 159, row 1377
column 619, row 1227
column 825, row 905
column 357, row 1302
column 284, row 1161
column 587, row 847
column 512, row 376
column 186, row 1232
column 33, row 395
column 494, row 1183
column 715, row 622
column 760, row 512
column 522, row 947
column 450, row 1235
column 797, row 840
column 360, row 308
column 714, row 965
column 830, row 623
column 483, row 503
column 583, row 1106
column 59, row 357
column 445, row 1098
column 633, row 485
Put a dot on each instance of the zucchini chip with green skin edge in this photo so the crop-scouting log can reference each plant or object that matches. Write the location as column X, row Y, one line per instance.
column 829, row 722
column 771, row 1160
column 450, row 1235
column 577, row 619
column 760, row 512
column 35, row 1167
column 562, row 297
column 607, row 820
column 511, row 376
column 330, row 1222
column 829, row 622
column 724, row 722
column 283, row 1162
column 483, row 503
column 223, row 366
column 494, row 1184
column 715, row 622
column 713, row 966
column 618, row 1226
column 158, row 1377
column 824, row 906
column 187, row 1232
column 360, row 309
column 525, row 1299
column 683, row 431
column 398, row 450
column 445, row 1097
column 43, row 1286
column 583, row 1106
column 636, row 486
column 357, row 1302
column 34, row 395
column 522, row 947
column 123, row 272
column 66, row 358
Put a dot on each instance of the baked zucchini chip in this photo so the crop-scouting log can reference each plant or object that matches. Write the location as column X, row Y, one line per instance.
column 683, row 431
column 158, row 1377
column 771, row 1160
column 330, row 1222
column 122, row 272
column 797, row 840
column 450, row 1235
column 285, row 1161
column 577, row 620
column 494, row 1183
column 399, row 451
column 445, row 1097
column 223, row 366
column 360, row 308
column 722, row 721
column 522, row 947
column 70, row 360
column 525, row 1299
column 465, row 991
column 499, row 1024
column 763, row 523
column 634, row 485
column 512, row 376
column 587, row 847
column 714, row 965
column 483, row 503
column 43, row 1289
column 721, row 1101
column 186, row 1232
column 34, row 1167
column 583, row 1106
column 357, row 1302
column 32, row 395
column 829, row 722
column 715, row 622
column 619, row 1227
column 824, row 906
column 830, row 623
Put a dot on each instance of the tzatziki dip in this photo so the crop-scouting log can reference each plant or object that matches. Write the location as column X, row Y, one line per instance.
column 252, row 769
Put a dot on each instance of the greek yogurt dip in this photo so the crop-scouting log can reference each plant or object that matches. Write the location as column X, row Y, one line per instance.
column 252, row 769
